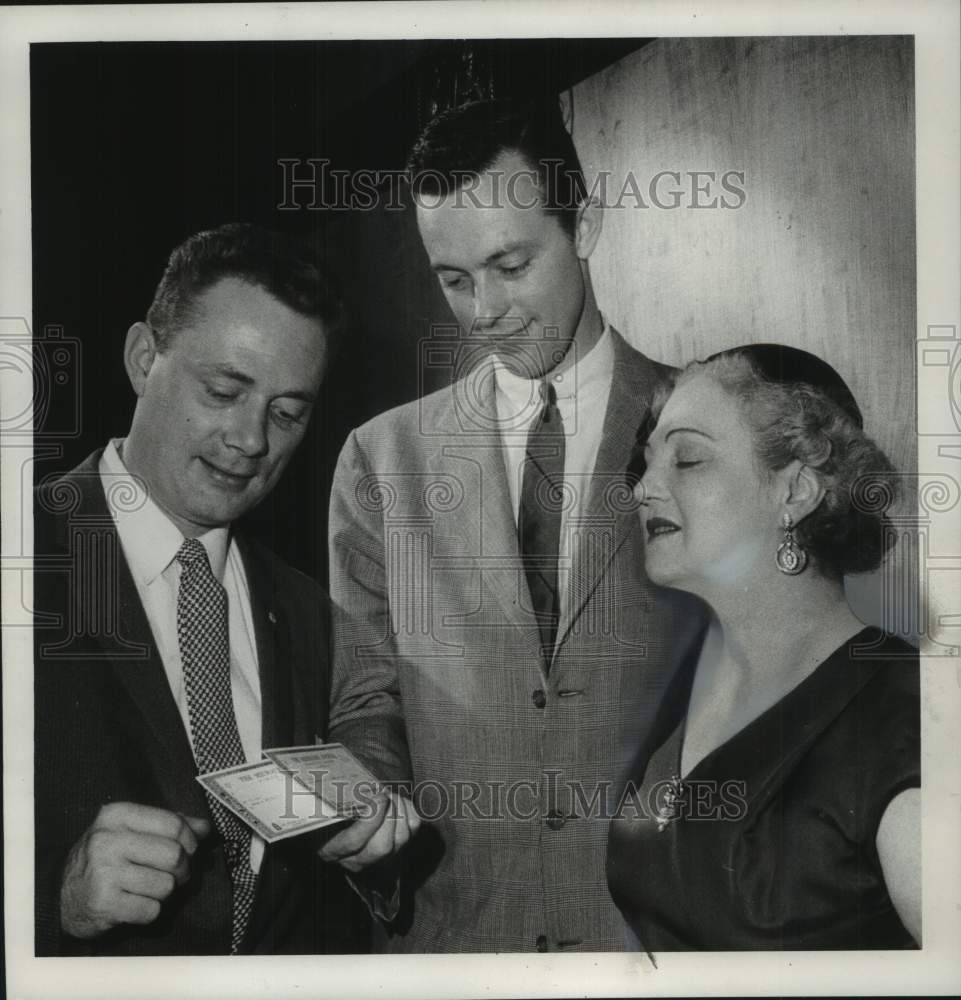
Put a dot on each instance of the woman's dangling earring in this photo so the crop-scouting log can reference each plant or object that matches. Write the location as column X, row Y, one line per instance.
column 791, row 558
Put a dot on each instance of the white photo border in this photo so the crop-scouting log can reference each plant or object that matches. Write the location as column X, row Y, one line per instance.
column 936, row 27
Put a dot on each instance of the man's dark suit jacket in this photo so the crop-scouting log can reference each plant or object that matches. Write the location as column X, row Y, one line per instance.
column 108, row 730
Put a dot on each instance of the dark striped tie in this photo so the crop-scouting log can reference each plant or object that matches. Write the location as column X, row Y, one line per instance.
column 202, row 631
column 539, row 515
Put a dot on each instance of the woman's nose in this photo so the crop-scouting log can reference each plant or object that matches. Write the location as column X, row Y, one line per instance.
column 649, row 486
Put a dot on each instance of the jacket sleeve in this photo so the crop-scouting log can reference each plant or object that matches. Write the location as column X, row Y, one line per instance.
column 366, row 709
column 63, row 806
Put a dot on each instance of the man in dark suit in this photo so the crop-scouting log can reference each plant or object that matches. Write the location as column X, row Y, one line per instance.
column 167, row 643
column 500, row 643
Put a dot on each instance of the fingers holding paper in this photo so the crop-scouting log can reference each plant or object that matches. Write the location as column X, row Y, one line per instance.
column 391, row 822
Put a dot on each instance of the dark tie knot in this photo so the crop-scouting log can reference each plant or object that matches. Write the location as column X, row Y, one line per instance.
column 193, row 554
column 547, row 392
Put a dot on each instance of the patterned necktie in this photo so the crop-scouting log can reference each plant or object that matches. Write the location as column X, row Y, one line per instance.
column 539, row 515
column 205, row 651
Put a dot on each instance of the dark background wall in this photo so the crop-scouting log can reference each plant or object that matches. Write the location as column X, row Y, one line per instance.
column 136, row 146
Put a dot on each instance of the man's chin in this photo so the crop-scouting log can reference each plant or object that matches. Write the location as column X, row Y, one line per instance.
column 216, row 505
column 210, row 519
column 222, row 481
column 529, row 359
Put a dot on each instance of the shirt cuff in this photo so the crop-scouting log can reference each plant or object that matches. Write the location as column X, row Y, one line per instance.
column 380, row 891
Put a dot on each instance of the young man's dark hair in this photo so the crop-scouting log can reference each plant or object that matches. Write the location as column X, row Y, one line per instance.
column 280, row 264
column 460, row 143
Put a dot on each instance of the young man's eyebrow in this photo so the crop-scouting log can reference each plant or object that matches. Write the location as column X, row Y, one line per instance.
column 521, row 246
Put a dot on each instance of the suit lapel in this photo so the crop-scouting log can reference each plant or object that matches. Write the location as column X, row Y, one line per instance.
column 271, row 630
column 275, row 884
column 488, row 531
column 129, row 648
column 611, row 514
column 147, row 686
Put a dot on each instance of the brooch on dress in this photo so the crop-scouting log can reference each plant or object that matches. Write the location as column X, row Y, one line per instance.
column 668, row 810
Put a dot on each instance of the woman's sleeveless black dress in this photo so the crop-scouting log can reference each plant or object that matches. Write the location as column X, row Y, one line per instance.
column 769, row 843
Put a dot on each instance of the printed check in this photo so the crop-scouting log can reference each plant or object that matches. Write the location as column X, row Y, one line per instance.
column 294, row 791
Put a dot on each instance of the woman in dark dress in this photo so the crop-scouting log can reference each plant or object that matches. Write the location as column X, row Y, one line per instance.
column 777, row 803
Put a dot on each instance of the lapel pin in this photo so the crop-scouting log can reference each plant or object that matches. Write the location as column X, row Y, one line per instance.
column 272, row 617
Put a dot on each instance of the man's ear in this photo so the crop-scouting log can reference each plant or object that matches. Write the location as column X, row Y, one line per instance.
column 139, row 353
column 803, row 490
column 590, row 222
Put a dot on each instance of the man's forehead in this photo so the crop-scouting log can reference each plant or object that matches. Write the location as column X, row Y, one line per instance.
column 472, row 225
column 509, row 180
column 242, row 327
column 238, row 304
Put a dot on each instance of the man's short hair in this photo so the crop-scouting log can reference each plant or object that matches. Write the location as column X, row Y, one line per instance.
column 463, row 142
column 276, row 262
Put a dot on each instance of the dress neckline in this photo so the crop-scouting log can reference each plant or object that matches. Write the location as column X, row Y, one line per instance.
column 814, row 680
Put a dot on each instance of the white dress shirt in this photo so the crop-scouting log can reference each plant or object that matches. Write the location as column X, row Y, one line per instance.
column 583, row 391
column 150, row 543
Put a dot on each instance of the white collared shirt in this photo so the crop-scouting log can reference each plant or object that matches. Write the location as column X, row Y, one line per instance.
column 150, row 543
column 583, row 391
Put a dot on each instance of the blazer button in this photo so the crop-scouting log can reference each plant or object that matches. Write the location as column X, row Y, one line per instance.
column 555, row 820
column 541, row 942
column 539, row 698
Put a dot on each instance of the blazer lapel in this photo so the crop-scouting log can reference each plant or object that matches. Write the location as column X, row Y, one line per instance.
column 611, row 514
column 275, row 883
column 147, row 686
column 487, row 533
column 129, row 647
column 273, row 661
